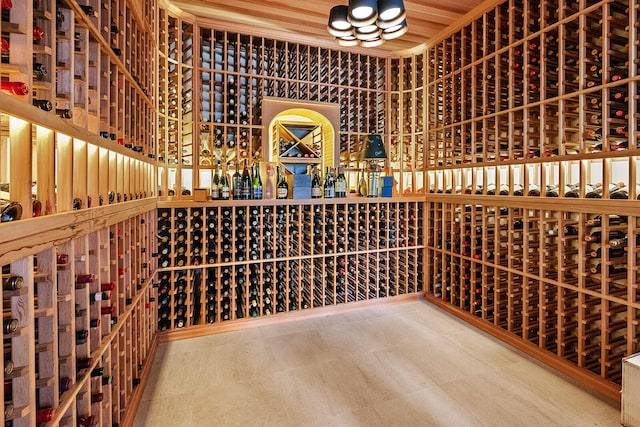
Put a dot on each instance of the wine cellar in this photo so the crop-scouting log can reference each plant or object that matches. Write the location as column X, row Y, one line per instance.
column 151, row 192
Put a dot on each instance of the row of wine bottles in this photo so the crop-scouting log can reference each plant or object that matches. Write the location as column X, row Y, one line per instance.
column 275, row 59
column 619, row 191
column 199, row 296
column 241, row 234
column 510, row 301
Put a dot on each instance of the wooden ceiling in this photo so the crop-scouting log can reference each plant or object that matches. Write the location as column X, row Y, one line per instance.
column 306, row 21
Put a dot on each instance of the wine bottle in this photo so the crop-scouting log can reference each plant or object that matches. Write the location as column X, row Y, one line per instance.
column 341, row 184
column 329, row 185
column 237, row 184
column 87, row 421
column 282, row 191
column 224, row 186
column 12, row 283
column 552, row 191
column 613, row 253
column 64, row 113
column 596, row 236
column 99, row 296
column 4, row 50
column 613, row 220
column 268, row 185
column 246, row 182
column 15, row 88
column 215, row 184
column 620, row 193
column 10, row 211
column 45, row 415
column 89, row 11
column 257, row 183
column 613, row 269
column 38, row 33
column 6, row 9
column 569, row 230
column 10, row 325
column 39, row 71
column 362, row 185
column 43, row 104
column 316, row 192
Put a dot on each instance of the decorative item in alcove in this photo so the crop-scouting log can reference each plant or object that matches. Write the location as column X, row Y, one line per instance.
column 299, row 144
column 367, row 23
column 373, row 151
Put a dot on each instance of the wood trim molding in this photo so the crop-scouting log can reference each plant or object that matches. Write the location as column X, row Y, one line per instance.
column 237, row 325
column 26, row 237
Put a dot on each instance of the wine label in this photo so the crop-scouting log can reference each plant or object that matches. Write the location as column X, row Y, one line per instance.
column 315, row 192
column 281, row 193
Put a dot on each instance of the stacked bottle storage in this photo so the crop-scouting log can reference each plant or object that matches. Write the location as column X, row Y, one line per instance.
column 406, row 122
column 79, row 323
column 74, row 141
column 85, row 62
column 229, row 262
column 532, row 178
column 212, row 83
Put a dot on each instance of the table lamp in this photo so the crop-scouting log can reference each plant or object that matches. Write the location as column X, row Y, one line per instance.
column 373, row 151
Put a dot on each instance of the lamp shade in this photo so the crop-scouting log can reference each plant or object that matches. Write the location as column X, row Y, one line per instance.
column 367, row 23
column 338, row 24
column 338, row 17
column 373, row 148
column 362, row 12
column 395, row 31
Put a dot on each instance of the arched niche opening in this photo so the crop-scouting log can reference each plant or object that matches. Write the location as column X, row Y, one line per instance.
column 300, row 134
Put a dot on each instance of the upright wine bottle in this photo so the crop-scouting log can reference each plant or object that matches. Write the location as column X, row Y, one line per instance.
column 362, row 185
column 215, row 183
column 329, row 185
column 316, row 191
column 224, row 186
column 341, row 184
column 237, row 184
column 246, row 182
column 282, row 191
column 257, row 183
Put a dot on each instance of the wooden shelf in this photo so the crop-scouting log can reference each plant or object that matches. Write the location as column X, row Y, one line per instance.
column 223, row 263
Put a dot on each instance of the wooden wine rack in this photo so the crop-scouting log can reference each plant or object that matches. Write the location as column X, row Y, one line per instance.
column 66, row 333
column 531, row 124
column 98, row 68
column 88, row 162
column 211, row 84
column 222, row 262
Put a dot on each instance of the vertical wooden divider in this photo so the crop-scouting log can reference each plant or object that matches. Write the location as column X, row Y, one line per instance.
column 46, row 169
column 80, row 170
column 64, row 172
column 20, row 171
column 93, row 175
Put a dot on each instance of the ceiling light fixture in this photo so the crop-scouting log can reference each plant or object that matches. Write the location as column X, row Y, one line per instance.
column 367, row 23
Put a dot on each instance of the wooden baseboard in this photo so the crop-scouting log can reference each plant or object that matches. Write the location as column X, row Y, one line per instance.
column 235, row 325
column 594, row 383
column 132, row 409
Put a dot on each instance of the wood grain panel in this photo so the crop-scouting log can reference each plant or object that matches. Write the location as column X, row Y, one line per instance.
column 425, row 18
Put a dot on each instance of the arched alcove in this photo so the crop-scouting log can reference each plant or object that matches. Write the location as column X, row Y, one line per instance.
column 304, row 119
